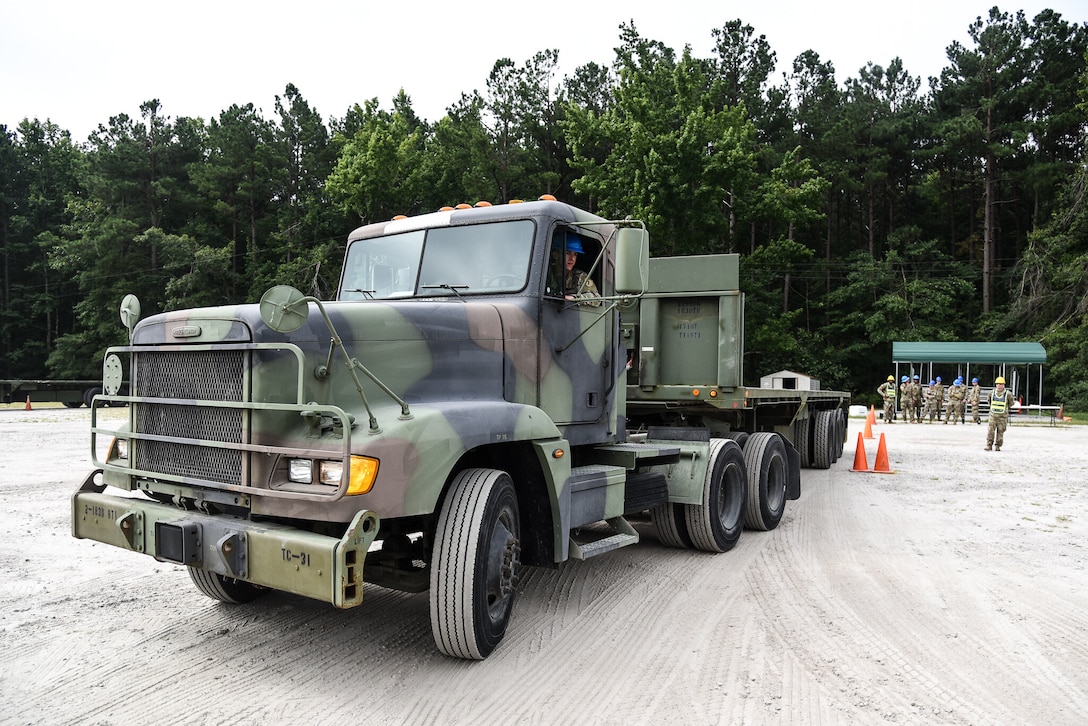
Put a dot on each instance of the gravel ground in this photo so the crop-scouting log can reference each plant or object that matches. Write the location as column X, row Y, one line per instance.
column 952, row 591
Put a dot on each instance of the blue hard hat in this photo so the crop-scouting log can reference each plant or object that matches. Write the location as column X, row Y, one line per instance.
column 905, row 379
column 916, row 376
column 938, row 379
column 932, row 382
column 974, row 380
column 573, row 244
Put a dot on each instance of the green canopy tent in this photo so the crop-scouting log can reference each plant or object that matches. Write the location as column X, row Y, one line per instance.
column 951, row 359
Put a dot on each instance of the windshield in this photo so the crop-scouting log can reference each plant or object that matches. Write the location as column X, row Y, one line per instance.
column 465, row 260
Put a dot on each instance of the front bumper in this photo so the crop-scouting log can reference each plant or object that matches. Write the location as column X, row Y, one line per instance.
column 268, row 554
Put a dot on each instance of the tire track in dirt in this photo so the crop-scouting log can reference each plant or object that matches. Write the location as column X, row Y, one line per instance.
column 908, row 606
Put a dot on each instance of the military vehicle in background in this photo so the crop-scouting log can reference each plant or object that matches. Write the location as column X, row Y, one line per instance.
column 455, row 415
column 72, row 394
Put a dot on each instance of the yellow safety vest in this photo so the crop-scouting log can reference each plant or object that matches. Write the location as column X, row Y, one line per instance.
column 999, row 405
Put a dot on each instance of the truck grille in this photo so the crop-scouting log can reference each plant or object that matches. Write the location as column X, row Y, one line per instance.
column 204, row 376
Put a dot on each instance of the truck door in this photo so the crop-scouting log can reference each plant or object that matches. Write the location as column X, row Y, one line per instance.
column 577, row 332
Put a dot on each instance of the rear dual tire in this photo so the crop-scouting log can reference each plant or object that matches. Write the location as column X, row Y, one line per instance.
column 716, row 523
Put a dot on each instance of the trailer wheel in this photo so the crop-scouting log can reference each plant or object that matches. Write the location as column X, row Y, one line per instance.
column 741, row 437
column 840, row 417
column 223, row 588
column 716, row 524
column 72, row 404
column 474, row 565
column 89, row 394
column 802, row 436
column 672, row 530
column 768, row 474
column 823, row 440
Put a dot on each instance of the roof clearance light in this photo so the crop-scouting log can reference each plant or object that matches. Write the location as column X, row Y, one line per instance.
column 515, row 201
column 547, row 198
column 446, row 209
column 482, row 203
column 400, row 216
column 462, row 205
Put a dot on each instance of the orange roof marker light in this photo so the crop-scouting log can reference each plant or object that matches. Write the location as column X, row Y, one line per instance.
column 445, row 209
column 547, row 198
column 515, row 201
column 482, row 203
column 462, row 205
column 400, row 216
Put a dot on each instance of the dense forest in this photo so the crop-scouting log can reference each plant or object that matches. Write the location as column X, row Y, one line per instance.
column 865, row 212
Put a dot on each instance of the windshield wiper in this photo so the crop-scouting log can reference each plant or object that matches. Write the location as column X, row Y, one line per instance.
column 444, row 286
column 368, row 293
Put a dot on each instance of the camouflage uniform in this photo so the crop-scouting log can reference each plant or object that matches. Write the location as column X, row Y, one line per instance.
column 956, row 395
column 973, row 398
column 577, row 280
column 916, row 399
column 887, row 392
column 999, row 418
column 904, row 400
column 936, row 400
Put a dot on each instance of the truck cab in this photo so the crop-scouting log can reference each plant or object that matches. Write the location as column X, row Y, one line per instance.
column 465, row 407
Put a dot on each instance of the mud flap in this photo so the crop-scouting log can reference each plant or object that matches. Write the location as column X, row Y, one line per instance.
column 793, row 483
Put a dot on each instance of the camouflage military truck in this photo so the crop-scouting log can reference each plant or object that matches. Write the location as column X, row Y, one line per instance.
column 453, row 416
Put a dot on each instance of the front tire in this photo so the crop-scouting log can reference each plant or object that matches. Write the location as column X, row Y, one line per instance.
column 224, row 589
column 474, row 565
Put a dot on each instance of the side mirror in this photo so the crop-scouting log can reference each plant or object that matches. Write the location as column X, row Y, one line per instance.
column 284, row 309
column 130, row 312
column 632, row 260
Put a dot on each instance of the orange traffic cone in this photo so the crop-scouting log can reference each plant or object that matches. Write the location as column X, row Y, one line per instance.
column 28, row 408
column 871, row 418
column 881, row 464
column 868, row 429
column 860, row 462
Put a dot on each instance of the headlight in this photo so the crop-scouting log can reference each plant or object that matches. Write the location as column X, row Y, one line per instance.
column 118, row 449
column 364, row 471
column 300, row 470
column 329, row 472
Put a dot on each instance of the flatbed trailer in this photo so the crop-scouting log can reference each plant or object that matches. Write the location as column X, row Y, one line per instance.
column 72, row 394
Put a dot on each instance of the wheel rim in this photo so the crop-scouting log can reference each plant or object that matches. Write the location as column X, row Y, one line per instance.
column 730, row 504
column 776, row 484
column 502, row 559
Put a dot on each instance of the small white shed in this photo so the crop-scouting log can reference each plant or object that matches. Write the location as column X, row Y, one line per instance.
column 790, row 381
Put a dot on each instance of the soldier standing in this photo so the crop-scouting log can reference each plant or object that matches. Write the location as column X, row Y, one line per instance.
column 904, row 399
column 973, row 397
column 916, row 398
column 956, row 395
column 999, row 415
column 937, row 389
column 887, row 392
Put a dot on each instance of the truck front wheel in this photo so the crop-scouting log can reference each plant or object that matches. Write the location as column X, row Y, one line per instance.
column 768, row 473
column 224, row 589
column 474, row 566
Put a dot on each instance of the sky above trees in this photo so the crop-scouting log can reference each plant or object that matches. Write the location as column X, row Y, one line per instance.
column 78, row 64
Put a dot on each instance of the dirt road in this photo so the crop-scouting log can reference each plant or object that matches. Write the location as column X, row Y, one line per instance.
column 953, row 591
